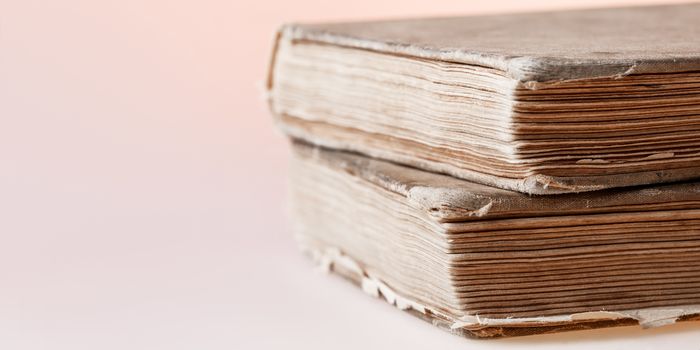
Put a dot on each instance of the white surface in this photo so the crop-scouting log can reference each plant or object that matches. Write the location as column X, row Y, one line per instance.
column 142, row 186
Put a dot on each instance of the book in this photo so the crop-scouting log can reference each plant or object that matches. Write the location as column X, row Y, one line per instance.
column 486, row 262
column 540, row 103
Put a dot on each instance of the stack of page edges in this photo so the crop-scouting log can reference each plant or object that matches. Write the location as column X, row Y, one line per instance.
column 501, row 175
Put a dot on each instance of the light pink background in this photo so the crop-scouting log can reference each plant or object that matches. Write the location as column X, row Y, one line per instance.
column 142, row 185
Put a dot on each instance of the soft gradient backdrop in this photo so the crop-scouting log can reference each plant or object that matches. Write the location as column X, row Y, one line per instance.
column 142, row 185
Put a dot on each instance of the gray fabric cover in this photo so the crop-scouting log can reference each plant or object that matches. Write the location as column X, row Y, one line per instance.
column 537, row 46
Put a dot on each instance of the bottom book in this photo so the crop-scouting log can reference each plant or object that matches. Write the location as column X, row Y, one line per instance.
column 485, row 262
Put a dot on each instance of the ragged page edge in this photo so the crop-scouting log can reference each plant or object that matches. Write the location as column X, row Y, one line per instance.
column 330, row 258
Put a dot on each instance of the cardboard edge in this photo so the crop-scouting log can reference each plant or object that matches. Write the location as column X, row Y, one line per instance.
column 531, row 72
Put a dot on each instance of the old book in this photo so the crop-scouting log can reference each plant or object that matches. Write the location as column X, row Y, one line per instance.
column 538, row 103
column 487, row 262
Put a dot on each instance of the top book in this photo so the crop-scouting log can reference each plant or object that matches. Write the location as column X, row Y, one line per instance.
column 539, row 103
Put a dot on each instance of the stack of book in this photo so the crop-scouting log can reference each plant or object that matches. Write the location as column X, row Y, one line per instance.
column 501, row 175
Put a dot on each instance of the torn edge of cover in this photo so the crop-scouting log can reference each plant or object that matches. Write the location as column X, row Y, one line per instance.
column 330, row 258
column 532, row 72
